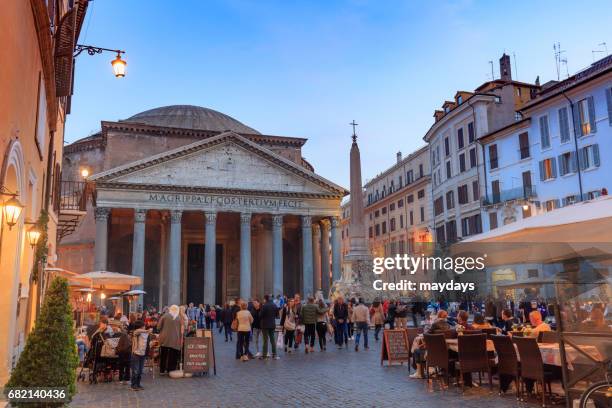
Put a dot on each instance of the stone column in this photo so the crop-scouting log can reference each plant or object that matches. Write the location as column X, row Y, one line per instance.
column 245, row 255
column 101, row 245
column 336, row 248
column 325, row 257
column 277, row 253
column 138, row 249
column 316, row 256
column 307, row 274
column 174, row 259
column 210, row 262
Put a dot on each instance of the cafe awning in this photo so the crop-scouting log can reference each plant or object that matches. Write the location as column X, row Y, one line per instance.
column 587, row 221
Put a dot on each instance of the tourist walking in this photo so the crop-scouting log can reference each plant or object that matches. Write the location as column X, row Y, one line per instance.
column 245, row 319
column 289, row 323
column 226, row 319
column 297, row 300
column 170, row 328
column 378, row 317
column 309, row 319
column 401, row 315
column 322, row 321
column 140, row 349
column 340, row 312
column 268, row 314
column 256, row 325
column 361, row 318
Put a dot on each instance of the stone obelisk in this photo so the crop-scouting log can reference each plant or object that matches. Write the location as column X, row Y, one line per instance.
column 357, row 273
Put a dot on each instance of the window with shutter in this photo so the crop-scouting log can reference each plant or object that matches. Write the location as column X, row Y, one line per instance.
column 462, row 162
column 548, row 169
column 544, row 135
column 493, row 162
column 471, row 131
column 524, row 145
column 473, row 158
column 585, row 116
column 460, row 138
column 564, row 125
column 475, row 190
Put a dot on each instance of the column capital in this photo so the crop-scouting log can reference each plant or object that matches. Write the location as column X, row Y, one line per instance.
column 325, row 224
column 101, row 213
column 245, row 218
column 175, row 216
column 140, row 215
column 335, row 222
column 306, row 221
column 210, row 218
column 277, row 220
column 316, row 228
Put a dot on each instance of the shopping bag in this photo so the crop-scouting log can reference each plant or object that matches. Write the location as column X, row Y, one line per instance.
column 280, row 341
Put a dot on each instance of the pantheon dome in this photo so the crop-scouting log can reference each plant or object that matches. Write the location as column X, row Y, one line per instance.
column 190, row 117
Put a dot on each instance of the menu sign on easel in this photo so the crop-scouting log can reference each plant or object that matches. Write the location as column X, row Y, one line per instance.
column 197, row 352
column 395, row 347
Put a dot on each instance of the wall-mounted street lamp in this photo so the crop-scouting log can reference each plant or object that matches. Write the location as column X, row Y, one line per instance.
column 33, row 235
column 118, row 64
column 11, row 208
column 84, row 172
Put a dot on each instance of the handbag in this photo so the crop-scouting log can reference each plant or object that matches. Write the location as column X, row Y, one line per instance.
column 109, row 347
column 234, row 325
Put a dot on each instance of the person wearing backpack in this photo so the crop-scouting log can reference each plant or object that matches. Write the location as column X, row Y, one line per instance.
column 124, row 351
column 140, row 349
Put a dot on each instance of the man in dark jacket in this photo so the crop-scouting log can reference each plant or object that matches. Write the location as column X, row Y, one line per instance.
column 441, row 324
column 267, row 320
column 340, row 312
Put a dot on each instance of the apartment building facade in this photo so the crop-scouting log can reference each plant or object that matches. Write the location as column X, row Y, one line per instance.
column 456, row 157
column 557, row 155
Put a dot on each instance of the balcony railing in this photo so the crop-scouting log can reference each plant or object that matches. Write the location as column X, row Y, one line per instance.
column 73, row 196
column 518, row 193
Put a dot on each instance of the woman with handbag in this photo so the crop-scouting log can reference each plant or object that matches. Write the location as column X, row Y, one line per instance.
column 289, row 323
column 243, row 321
column 322, row 321
column 171, row 329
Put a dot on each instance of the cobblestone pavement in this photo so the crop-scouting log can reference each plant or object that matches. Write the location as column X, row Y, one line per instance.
column 334, row 378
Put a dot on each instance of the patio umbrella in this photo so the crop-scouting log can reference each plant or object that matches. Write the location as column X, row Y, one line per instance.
column 134, row 292
column 112, row 280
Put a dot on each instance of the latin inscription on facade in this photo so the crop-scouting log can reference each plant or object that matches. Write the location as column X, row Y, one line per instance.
column 221, row 201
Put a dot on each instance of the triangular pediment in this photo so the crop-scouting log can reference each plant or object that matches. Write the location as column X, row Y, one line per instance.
column 227, row 161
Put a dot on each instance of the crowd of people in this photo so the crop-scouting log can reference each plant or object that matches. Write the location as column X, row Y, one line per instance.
column 264, row 327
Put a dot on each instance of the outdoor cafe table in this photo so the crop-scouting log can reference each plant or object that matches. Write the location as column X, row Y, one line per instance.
column 550, row 351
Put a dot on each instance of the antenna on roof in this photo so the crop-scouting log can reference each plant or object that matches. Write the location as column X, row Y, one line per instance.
column 559, row 60
column 605, row 50
column 492, row 72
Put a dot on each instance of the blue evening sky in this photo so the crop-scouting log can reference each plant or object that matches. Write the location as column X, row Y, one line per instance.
column 307, row 68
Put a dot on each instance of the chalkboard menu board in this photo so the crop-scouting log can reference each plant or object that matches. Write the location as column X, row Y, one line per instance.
column 199, row 353
column 395, row 347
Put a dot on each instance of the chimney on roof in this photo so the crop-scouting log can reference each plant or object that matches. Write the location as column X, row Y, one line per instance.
column 399, row 156
column 504, row 68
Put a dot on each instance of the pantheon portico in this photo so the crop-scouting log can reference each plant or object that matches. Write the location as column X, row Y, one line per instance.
column 225, row 213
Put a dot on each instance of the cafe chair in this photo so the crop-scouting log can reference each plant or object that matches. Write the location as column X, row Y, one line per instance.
column 449, row 334
column 490, row 331
column 412, row 332
column 474, row 331
column 548, row 337
column 532, row 366
column 437, row 355
column 473, row 357
column 508, row 363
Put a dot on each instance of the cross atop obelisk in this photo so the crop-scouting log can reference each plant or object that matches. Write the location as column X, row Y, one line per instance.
column 354, row 124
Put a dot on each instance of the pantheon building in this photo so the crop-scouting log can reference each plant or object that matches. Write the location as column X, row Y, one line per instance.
column 203, row 208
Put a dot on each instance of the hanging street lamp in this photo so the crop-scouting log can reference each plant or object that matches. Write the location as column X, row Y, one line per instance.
column 118, row 64
column 33, row 236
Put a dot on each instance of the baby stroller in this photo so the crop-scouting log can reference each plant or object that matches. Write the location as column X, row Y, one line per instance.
column 101, row 358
